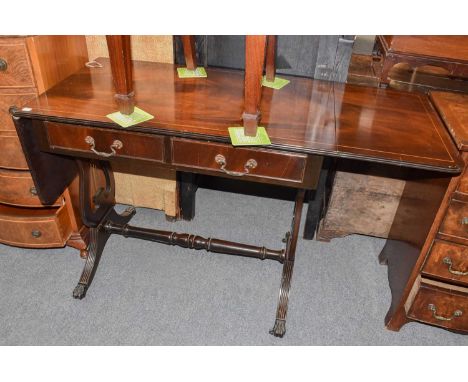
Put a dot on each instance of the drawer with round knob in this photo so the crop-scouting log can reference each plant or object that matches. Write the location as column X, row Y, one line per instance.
column 441, row 304
column 35, row 228
column 15, row 69
column 17, row 188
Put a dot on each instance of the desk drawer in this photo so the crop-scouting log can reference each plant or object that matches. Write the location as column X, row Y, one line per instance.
column 239, row 162
column 82, row 140
column 447, row 261
column 438, row 306
column 455, row 224
column 15, row 70
column 11, row 152
column 17, row 188
column 35, row 228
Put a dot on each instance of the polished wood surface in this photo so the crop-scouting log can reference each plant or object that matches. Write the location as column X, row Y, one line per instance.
column 270, row 61
column 307, row 116
column 10, row 97
column 17, row 188
column 447, row 262
column 12, row 156
column 453, row 109
column 16, row 70
column 453, row 47
column 441, row 305
column 454, row 227
column 66, row 53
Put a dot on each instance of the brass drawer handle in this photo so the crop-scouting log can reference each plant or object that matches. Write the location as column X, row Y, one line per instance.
column 433, row 308
column 447, row 260
column 116, row 145
column 36, row 234
column 3, row 65
column 464, row 220
column 33, row 191
column 221, row 160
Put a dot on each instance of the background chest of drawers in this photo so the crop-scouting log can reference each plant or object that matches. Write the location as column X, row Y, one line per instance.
column 29, row 66
column 440, row 293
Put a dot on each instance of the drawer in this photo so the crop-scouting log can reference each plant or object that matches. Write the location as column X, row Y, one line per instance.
column 12, row 156
column 254, row 164
column 35, row 227
column 81, row 140
column 454, row 226
column 441, row 305
column 15, row 69
column 8, row 99
column 17, row 188
column 448, row 262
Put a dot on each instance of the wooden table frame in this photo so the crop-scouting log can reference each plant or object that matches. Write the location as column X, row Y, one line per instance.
column 60, row 143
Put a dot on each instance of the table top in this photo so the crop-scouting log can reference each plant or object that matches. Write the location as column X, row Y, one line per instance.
column 307, row 116
column 453, row 108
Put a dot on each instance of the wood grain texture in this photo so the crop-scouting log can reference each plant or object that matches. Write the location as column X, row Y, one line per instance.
column 308, row 116
column 12, row 155
column 152, row 188
column 435, row 267
column 18, row 74
column 54, row 58
column 453, row 109
column 35, row 228
column 453, row 226
column 9, row 97
column 445, row 301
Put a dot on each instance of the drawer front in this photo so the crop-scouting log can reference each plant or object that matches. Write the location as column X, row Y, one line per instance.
column 447, row 261
column 35, row 228
column 12, row 156
column 82, row 140
column 17, row 188
column 6, row 101
column 15, row 70
column 440, row 307
column 454, row 227
column 239, row 162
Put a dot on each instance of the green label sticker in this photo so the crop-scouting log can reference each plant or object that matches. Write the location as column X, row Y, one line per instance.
column 239, row 139
column 185, row 73
column 277, row 84
column 138, row 116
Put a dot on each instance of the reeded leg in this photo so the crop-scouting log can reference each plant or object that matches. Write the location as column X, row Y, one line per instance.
column 279, row 329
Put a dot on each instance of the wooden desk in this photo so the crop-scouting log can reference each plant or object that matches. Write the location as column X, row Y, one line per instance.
column 65, row 132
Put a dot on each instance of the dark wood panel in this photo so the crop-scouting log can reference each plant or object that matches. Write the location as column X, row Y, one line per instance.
column 372, row 124
column 268, row 164
column 134, row 145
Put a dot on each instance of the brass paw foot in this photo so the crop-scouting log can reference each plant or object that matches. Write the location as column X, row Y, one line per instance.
column 279, row 329
column 80, row 291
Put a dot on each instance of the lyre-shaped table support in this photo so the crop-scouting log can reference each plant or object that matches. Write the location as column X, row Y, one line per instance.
column 99, row 214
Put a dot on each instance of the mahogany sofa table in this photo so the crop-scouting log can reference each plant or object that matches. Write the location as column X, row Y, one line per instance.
column 65, row 132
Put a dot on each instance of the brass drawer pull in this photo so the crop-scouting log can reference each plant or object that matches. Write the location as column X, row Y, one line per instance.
column 464, row 220
column 249, row 165
column 3, row 65
column 33, row 191
column 447, row 260
column 36, row 234
column 433, row 308
column 116, row 145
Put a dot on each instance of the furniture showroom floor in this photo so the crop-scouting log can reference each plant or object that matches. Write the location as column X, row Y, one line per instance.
column 149, row 294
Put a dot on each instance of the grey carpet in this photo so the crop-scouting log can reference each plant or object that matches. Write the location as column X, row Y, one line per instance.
column 149, row 294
